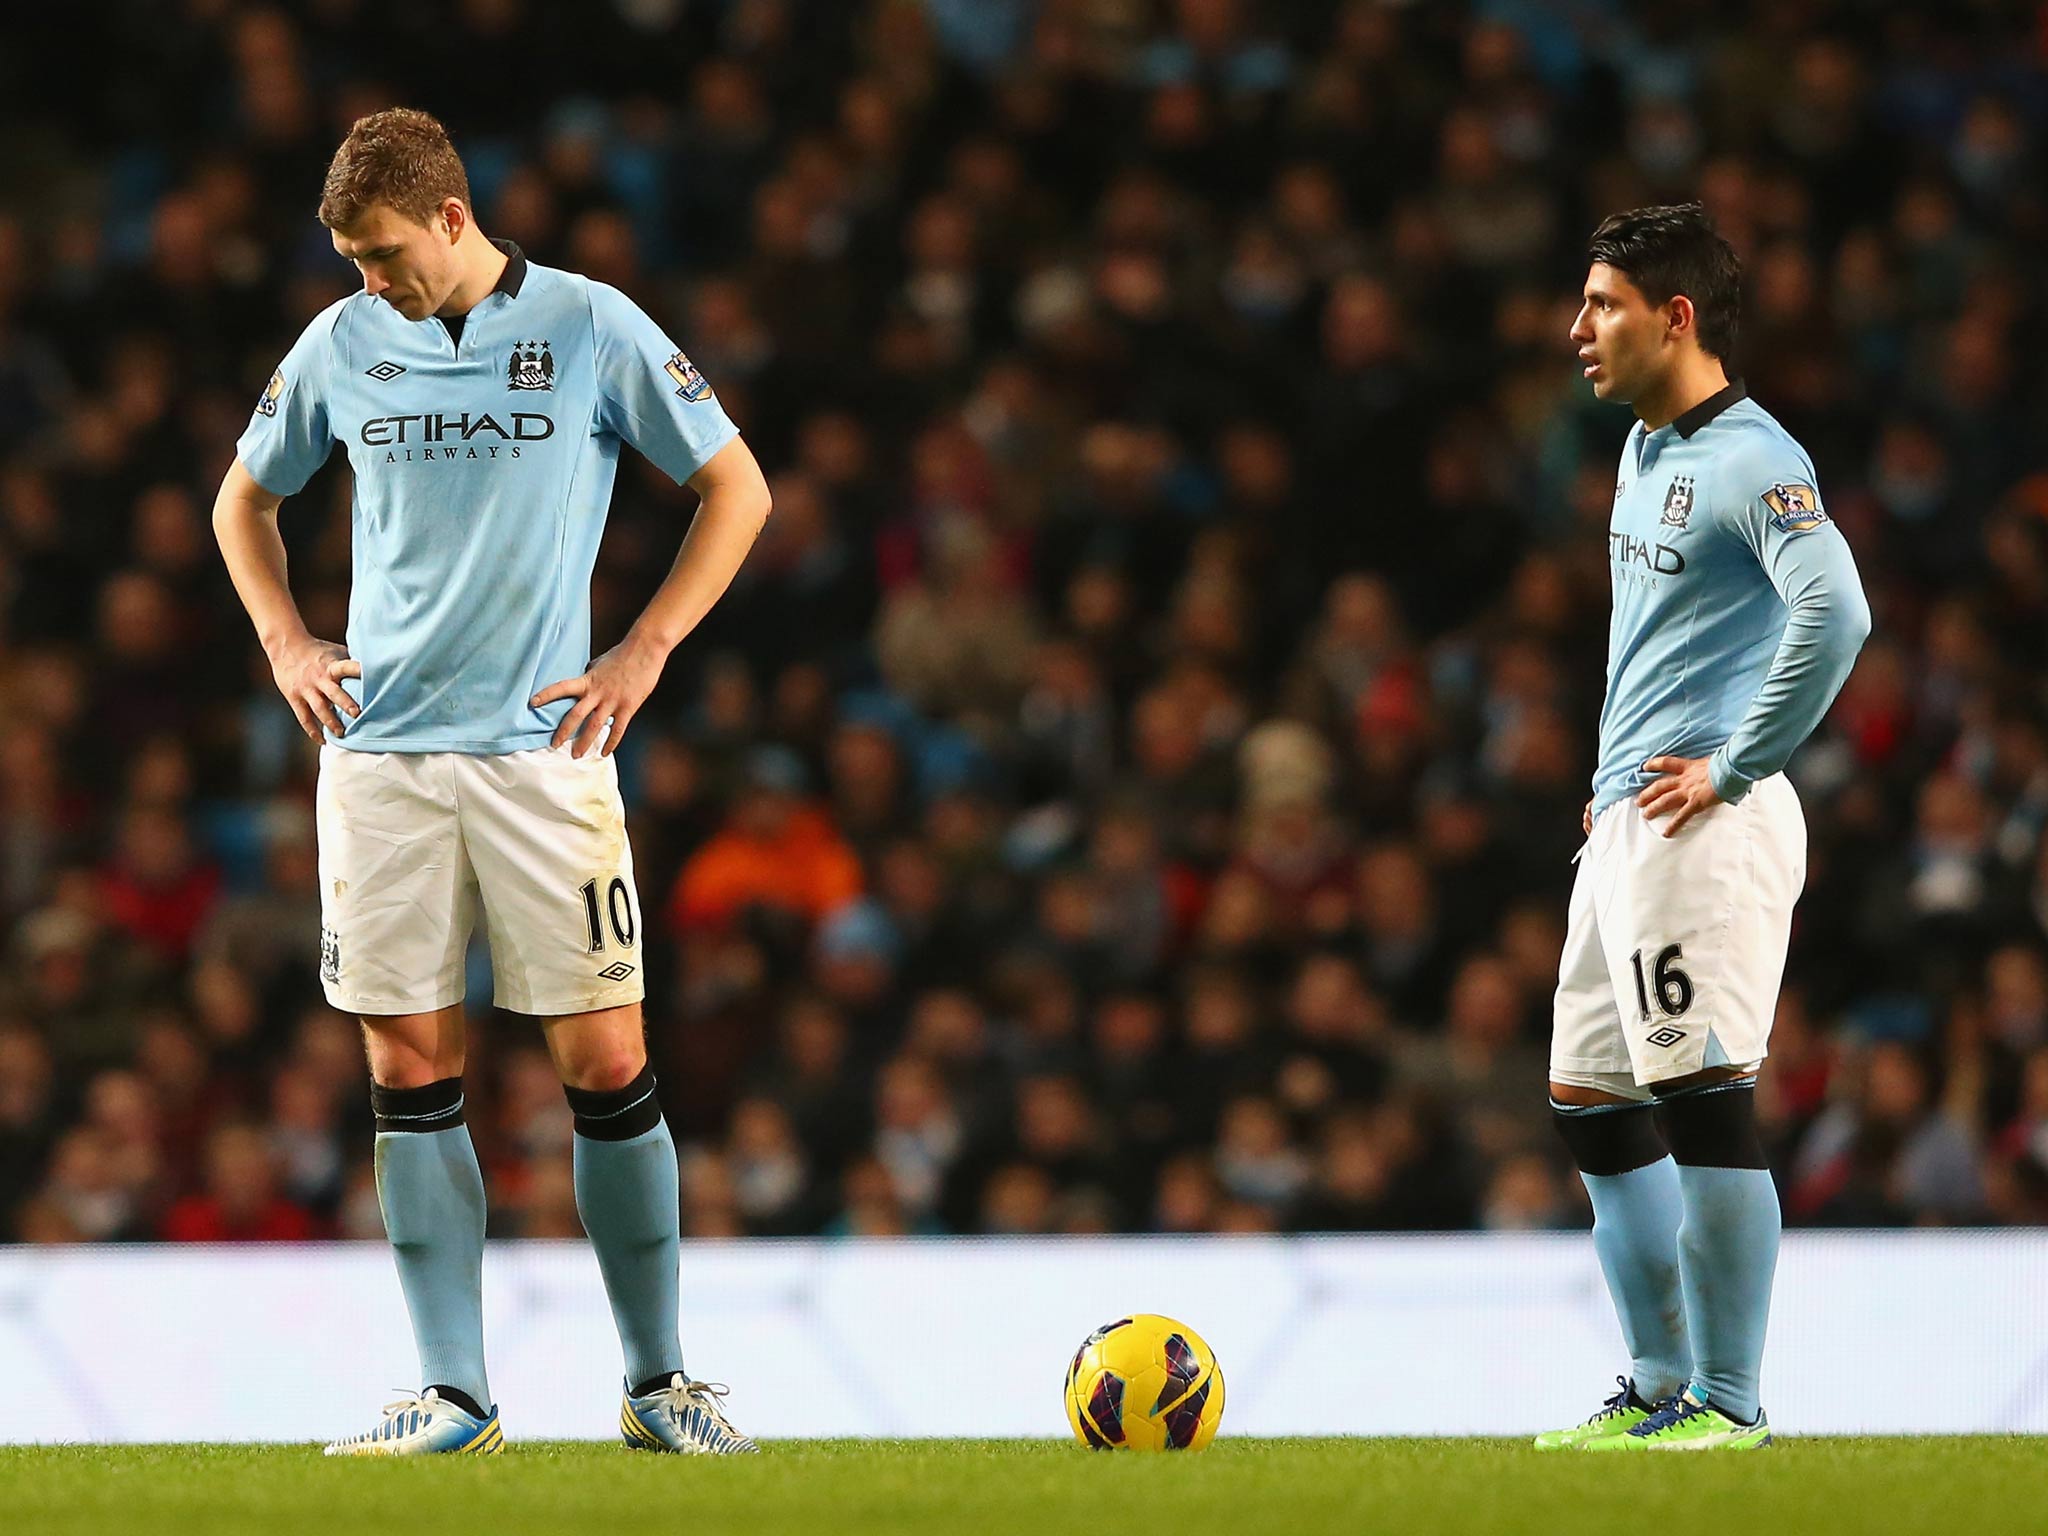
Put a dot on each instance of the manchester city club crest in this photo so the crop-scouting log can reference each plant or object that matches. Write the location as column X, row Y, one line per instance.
column 690, row 384
column 532, row 366
column 1677, row 502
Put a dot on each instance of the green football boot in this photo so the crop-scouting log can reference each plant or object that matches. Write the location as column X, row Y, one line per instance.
column 1687, row 1424
column 1617, row 1416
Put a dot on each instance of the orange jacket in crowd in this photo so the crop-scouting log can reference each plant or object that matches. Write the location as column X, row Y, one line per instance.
column 804, row 867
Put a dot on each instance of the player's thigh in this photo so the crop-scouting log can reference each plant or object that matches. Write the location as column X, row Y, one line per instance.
column 1695, row 929
column 546, row 832
column 397, row 893
column 1587, row 1046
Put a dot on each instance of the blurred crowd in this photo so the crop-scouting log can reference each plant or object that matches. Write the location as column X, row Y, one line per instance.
column 1132, row 785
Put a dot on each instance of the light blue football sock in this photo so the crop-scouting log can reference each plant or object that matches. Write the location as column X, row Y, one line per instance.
column 432, row 1194
column 1727, row 1255
column 628, row 1193
column 1635, row 1233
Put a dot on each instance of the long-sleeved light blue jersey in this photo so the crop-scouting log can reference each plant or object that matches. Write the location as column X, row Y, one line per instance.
column 483, row 474
column 1737, row 609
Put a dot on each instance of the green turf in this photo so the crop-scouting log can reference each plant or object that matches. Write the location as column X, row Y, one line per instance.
column 1967, row 1487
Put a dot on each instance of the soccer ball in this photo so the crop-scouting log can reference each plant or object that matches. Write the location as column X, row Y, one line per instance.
column 1144, row 1383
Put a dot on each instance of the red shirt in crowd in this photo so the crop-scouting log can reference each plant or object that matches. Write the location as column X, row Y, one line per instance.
column 205, row 1219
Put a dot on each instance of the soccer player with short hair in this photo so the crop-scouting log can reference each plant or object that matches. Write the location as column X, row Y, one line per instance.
column 467, row 734
column 1737, row 616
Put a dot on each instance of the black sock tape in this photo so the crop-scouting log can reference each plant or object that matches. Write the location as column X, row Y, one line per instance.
column 1714, row 1125
column 616, row 1114
column 435, row 1107
column 1606, row 1139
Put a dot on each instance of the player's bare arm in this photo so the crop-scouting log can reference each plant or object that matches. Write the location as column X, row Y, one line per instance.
column 735, row 506
column 308, row 671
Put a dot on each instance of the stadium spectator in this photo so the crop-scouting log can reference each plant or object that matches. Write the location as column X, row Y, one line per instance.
column 240, row 1200
column 775, row 852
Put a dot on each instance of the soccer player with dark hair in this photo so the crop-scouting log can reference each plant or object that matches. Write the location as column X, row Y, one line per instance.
column 1737, row 616
column 467, row 733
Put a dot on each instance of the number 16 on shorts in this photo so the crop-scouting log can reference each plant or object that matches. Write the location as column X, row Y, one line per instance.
column 1663, row 994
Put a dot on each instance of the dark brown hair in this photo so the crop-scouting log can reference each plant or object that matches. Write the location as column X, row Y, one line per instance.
column 1673, row 250
column 398, row 157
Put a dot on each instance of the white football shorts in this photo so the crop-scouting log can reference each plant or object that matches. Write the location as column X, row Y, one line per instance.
column 1675, row 947
column 414, row 844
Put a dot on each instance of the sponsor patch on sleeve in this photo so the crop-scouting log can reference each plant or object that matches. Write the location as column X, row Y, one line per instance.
column 690, row 384
column 266, row 403
column 1794, row 508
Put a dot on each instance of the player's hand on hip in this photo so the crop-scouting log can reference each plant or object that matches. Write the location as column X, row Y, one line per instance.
column 309, row 673
column 1586, row 819
column 613, row 690
column 1682, row 792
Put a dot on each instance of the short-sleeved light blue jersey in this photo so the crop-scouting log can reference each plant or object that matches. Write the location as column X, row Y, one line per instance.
column 1737, row 609
column 483, row 474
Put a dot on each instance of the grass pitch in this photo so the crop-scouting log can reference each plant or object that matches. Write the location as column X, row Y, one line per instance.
column 1815, row 1487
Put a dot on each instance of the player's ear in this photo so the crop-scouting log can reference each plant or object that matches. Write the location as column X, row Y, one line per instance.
column 1680, row 319
column 454, row 216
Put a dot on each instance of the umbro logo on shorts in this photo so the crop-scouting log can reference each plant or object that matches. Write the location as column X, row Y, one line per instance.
column 618, row 970
column 1666, row 1036
column 385, row 371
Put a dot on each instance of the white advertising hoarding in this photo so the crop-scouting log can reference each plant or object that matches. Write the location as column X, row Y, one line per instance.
column 1483, row 1334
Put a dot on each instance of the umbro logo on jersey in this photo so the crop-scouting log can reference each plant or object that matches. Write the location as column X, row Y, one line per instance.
column 385, row 371
column 532, row 366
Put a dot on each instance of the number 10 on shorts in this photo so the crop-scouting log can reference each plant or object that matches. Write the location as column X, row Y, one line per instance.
column 1673, row 987
column 618, row 906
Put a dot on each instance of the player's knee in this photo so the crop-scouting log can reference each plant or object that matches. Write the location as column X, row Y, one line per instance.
column 413, row 1050
column 410, row 1069
column 606, row 1070
column 1607, row 1139
column 1713, row 1125
column 401, row 1066
column 599, row 1052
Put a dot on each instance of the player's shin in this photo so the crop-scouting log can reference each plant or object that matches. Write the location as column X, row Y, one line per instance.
column 431, row 1192
column 627, row 1192
column 1728, row 1241
column 1634, row 1187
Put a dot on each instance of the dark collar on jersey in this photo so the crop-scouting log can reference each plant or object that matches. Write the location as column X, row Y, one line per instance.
column 1719, row 401
column 515, row 269
column 509, row 282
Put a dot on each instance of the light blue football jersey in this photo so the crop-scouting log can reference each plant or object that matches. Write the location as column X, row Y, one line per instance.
column 483, row 474
column 1737, row 608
